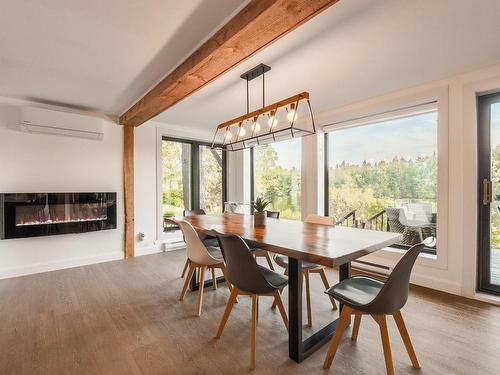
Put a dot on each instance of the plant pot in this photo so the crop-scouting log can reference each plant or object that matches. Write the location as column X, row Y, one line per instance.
column 259, row 219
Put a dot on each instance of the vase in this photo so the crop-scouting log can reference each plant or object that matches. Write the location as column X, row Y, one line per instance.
column 259, row 219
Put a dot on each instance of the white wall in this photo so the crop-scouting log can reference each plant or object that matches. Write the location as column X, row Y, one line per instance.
column 44, row 163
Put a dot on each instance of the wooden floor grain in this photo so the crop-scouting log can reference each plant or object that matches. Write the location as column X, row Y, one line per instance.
column 124, row 317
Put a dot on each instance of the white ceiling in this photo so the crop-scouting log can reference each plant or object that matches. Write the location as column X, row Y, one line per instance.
column 99, row 54
column 103, row 55
column 355, row 50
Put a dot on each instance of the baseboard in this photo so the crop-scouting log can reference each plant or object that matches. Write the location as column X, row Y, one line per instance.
column 30, row 269
column 159, row 248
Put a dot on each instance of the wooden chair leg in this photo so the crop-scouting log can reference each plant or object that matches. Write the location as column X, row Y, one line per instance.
column 279, row 302
column 355, row 328
column 386, row 344
column 308, row 299
column 406, row 338
column 257, row 298
column 192, row 267
column 227, row 311
column 200, row 290
column 327, row 286
column 274, row 302
column 214, row 279
column 223, row 269
column 253, row 333
column 337, row 336
column 186, row 266
column 269, row 261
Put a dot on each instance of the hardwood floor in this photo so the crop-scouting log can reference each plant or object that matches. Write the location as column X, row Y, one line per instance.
column 124, row 317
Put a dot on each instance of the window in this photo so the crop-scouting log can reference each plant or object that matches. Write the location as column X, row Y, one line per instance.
column 382, row 174
column 193, row 178
column 211, row 181
column 176, row 164
column 277, row 174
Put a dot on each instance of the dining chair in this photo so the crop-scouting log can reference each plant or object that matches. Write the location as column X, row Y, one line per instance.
column 363, row 295
column 200, row 257
column 273, row 214
column 262, row 253
column 310, row 268
column 206, row 239
column 249, row 278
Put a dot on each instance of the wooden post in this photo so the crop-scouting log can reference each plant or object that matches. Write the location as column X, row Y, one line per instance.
column 128, row 189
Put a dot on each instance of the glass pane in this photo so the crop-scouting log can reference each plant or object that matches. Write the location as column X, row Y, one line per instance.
column 176, row 164
column 210, row 179
column 277, row 176
column 383, row 176
column 495, row 205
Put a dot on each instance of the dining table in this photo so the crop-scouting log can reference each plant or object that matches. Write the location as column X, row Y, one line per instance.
column 330, row 246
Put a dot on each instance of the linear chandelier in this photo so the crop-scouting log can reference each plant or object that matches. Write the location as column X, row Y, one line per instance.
column 288, row 118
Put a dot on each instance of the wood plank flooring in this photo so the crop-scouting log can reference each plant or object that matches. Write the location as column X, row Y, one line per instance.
column 124, row 317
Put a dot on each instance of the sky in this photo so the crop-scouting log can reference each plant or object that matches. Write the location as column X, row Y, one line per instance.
column 407, row 137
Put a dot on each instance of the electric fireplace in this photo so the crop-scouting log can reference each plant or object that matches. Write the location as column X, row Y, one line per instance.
column 46, row 214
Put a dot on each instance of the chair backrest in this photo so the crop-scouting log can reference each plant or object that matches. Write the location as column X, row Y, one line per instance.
column 394, row 293
column 323, row 220
column 393, row 217
column 273, row 214
column 188, row 213
column 241, row 268
column 196, row 250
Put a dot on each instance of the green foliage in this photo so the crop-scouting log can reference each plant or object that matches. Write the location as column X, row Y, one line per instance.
column 260, row 204
column 370, row 187
column 280, row 186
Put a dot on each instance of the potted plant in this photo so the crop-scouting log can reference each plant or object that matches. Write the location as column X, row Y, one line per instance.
column 259, row 215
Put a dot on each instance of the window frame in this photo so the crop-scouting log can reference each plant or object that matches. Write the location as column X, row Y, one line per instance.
column 195, row 169
column 366, row 119
column 483, row 273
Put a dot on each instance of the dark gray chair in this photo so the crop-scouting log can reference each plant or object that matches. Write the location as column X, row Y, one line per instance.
column 248, row 278
column 366, row 296
column 207, row 240
column 273, row 214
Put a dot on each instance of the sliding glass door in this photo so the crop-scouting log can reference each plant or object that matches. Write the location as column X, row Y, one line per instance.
column 193, row 178
column 489, row 197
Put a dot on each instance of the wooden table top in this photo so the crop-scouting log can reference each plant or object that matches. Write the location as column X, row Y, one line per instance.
column 321, row 244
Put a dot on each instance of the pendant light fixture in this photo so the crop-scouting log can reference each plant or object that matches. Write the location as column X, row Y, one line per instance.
column 288, row 118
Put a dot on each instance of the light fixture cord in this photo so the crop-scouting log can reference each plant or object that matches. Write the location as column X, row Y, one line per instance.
column 248, row 103
column 263, row 91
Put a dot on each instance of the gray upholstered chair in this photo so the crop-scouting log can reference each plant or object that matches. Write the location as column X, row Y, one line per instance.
column 366, row 296
column 273, row 214
column 248, row 278
column 201, row 257
column 309, row 268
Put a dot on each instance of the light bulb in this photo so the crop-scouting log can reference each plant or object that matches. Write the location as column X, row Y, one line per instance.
column 292, row 114
column 273, row 121
column 229, row 135
column 241, row 132
column 255, row 126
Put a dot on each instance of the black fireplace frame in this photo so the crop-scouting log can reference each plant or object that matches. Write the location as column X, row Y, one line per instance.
column 10, row 201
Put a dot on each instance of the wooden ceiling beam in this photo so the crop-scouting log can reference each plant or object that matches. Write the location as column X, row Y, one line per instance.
column 255, row 27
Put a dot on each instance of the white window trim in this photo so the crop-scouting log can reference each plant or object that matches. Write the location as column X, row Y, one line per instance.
column 357, row 115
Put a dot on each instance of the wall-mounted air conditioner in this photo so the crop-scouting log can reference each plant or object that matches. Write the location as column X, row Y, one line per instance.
column 45, row 121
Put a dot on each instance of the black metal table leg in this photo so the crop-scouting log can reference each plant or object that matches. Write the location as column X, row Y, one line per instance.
column 194, row 285
column 298, row 350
